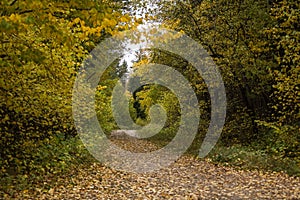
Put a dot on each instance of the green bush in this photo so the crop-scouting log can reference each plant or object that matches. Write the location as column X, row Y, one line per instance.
column 51, row 157
column 253, row 157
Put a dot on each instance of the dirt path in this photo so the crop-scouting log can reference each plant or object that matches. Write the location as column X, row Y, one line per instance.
column 188, row 178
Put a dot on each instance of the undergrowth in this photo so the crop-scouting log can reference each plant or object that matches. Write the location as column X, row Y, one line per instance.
column 51, row 160
column 254, row 156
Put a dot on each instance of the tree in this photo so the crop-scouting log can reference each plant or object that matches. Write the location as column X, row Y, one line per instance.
column 256, row 46
column 231, row 32
column 43, row 43
column 284, row 38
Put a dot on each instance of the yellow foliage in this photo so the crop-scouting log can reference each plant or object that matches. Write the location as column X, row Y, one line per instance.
column 44, row 44
column 15, row 17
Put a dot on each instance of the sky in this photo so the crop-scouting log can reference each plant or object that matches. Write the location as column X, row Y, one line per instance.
column 130, row 53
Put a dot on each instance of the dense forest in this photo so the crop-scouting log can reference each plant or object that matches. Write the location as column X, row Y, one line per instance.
column 254, row 43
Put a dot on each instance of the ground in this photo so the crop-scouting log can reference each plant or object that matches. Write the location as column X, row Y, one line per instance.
column 187, row 178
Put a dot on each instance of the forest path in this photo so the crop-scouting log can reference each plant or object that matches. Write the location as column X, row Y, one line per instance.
column 187, row 178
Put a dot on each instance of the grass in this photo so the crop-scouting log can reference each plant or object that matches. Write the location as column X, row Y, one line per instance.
column 248, row 157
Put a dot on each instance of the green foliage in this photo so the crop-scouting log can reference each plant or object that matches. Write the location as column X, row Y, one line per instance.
column 256, row 46
column 231, row 32
column 281, row 141
column 252, row 158
column 43, row 43
column 43, row 160
column 282, row 129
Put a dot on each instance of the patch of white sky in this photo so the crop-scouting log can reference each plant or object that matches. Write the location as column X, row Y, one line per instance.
column 138, row 9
